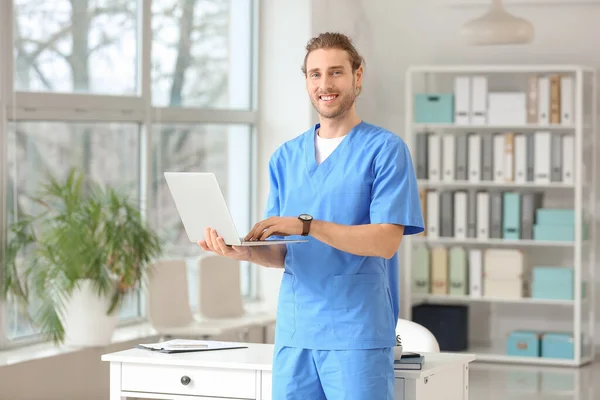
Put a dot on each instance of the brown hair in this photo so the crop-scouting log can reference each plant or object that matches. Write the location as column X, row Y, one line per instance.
column 331, row 40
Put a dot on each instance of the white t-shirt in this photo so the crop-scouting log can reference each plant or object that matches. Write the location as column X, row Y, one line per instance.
column 324, row 147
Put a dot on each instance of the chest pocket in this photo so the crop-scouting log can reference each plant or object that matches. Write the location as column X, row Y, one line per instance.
column 348, row 202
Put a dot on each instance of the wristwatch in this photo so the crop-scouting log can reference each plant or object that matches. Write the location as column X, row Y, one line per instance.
column 306, row 220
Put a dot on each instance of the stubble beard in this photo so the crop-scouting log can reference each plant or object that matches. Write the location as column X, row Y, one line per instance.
column 346, row 102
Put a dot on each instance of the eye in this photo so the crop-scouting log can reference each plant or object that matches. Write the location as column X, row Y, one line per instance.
column 314, row 75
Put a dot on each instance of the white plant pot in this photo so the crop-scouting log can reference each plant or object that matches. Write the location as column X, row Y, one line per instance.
column 85, row 321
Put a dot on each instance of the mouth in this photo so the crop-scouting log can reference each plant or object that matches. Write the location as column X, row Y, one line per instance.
column 328, row 98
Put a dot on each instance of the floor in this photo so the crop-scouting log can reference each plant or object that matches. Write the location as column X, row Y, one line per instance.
column 511, row 382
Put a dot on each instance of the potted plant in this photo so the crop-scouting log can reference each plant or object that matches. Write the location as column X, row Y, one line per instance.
column 72, row 264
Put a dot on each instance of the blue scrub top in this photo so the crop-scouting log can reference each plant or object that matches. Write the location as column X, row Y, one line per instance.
column 330, row 299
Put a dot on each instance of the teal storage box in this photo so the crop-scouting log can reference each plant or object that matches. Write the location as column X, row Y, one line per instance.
column 558, row 345
column 554, row 216
column 437, row 108
column 558, row 233
column 523, row 344
column 511, row 225
column 555, row 283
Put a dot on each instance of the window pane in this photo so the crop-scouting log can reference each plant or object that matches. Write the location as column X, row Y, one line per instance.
column 222, row 149
column 79, row 46
column 107, row 152
column 202, row 53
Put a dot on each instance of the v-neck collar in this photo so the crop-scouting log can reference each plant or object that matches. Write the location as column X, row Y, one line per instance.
column 318, row 172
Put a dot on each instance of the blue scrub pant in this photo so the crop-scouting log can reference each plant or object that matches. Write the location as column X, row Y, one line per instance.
column 333, row 374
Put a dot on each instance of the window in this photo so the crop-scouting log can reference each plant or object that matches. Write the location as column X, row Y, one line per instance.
column 222, row 149
column 108, row 153
column 75, row 95
column 79, row 46
column 201, row 53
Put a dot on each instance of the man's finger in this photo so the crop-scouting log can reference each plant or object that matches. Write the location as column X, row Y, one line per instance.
column 208, row 239
column 254, row 231
column 251, row 233
column 268, row 232
column 223, row 248
column 203, row 245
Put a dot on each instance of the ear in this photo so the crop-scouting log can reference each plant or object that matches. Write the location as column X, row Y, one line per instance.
column 359, row 76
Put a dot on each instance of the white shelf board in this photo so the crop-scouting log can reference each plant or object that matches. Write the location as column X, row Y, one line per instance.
column 498, row 354
column 486, row 3
column 491, row 242
column 469, row 299
column 492, row 184
column 553, row 127
column 499, row 68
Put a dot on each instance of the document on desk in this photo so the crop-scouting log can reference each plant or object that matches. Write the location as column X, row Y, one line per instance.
column 412, row 362
column 188, row 345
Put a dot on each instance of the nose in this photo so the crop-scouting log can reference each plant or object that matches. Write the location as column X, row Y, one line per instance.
column 326, row 83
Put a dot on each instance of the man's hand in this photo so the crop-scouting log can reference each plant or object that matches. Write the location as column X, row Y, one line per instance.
column 278, row 226
column 217, row 245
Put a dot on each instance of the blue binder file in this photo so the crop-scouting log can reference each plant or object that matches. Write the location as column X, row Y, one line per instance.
column 511, row 226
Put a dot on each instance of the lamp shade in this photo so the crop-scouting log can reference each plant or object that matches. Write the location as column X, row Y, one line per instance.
column 497, row 27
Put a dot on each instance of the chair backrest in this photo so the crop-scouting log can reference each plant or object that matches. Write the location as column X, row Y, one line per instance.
column 416, row 338
column 220, row 288
column 168, row 297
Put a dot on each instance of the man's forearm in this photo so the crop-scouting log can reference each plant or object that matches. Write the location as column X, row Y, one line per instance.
column 379, row 240
column 272, row 256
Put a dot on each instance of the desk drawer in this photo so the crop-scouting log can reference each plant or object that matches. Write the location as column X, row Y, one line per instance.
column 227, row 383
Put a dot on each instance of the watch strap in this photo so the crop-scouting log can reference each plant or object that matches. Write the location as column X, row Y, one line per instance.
column 305, row 227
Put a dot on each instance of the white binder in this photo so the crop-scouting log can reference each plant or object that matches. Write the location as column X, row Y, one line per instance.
column 479, row 96
column 475, row 273
column 498, row 144
column 460, row 215
column 541, row 166
column 462, row 100
column 509, row 157
column 434, row 159
column 474, row 162
column 483, row 215
column 448, row 152
column 543, row 101
column 520, row 152
column 566, row 100
column 433, row 214
column 568, row 164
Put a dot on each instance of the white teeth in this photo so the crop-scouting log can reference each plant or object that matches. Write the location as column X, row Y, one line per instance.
column 327, row 98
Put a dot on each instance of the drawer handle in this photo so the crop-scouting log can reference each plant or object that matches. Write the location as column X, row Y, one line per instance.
column 185, row 380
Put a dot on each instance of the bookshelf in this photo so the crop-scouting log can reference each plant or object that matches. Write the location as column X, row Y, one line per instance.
column 508, row 89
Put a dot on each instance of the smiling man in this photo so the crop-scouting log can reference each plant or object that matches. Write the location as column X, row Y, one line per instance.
column 349, row 188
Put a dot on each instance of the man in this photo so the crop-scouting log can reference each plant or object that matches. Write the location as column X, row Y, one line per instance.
column 349, row 187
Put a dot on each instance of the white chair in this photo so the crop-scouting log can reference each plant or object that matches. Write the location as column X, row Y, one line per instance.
column 416, row 338
column 220, row 293
column 168, row 302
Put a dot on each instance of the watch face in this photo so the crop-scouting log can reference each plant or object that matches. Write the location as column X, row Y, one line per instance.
column 305, row 217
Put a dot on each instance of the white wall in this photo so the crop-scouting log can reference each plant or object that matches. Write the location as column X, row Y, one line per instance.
column 284, row 107
column 395, row 34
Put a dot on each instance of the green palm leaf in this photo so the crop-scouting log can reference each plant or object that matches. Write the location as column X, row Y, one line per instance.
column 85, row 231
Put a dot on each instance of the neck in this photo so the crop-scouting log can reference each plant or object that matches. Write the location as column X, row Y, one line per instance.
column 338, row 127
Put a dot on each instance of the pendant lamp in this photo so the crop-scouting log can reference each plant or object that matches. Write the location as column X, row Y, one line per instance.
column 498, row 27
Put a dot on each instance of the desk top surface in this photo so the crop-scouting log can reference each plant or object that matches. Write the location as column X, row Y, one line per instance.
column 260, row 357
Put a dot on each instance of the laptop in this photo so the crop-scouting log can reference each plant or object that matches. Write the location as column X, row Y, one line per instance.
column 200, row 204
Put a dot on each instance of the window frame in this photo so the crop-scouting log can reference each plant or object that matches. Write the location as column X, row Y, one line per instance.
column 77, row 107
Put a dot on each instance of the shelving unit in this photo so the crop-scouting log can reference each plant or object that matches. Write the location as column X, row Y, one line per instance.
column 581, row 193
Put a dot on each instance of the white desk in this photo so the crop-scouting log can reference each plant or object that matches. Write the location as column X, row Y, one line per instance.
column 246, row 374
